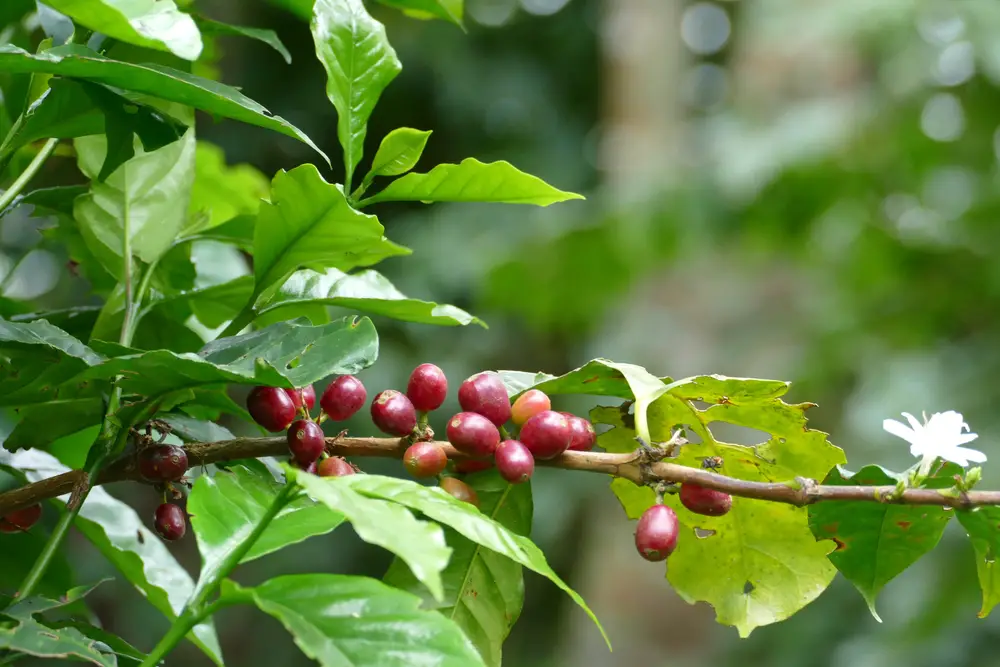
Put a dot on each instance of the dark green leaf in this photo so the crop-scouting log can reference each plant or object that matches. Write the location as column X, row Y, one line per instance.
column 398, row 153
column 449, row 10
column 483, row 590
column 42, row 424
column 221, row 192
column 48, row 201
column 155, row 80
column 154, row 24
column 118, row 646
column 472, row 181
column 367, row 291
column 269, row 37
column 345, row 621
column 359, row 64
column 983, row 526
column 189, row 429
column 309, row 224
column 63, row 111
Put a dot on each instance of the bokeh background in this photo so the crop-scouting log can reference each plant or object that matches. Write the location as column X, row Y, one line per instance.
column 789, row 189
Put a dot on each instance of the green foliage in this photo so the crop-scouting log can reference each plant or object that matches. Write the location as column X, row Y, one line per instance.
column 982, row 526
column 269, row 37
column 449, row 10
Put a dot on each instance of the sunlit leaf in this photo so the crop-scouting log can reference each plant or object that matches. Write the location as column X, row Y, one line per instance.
column 449, row 10
column 983, row 527
column 398, row 153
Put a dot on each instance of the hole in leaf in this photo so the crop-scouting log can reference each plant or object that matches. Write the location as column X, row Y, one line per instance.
column 700, row 404
column 690, row 435
column 738, row 435
column 702, row 533
column 748, row 588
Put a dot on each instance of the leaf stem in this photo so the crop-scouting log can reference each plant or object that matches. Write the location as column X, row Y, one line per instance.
column 29, row 172
column 240, row 322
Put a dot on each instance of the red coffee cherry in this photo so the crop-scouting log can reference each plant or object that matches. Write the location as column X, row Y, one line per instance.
column 459, row 489
column 305, row 441
column 427, row 388
column 163, row 463
column 469, row 466
column 343, row 398
column 473, row 434
column 584, row 435
column 425, row 459
column 656, row 533
column 20, row 520
column 303, row 396
column 529, row 404
column 709, row 502
column 546, row 435
column 393, row 413
column 170, row 522
column 514, row 462
column 334, row 466
column 271, row 407
column 486, row 394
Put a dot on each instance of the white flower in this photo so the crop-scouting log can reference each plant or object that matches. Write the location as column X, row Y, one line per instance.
column 938, row 437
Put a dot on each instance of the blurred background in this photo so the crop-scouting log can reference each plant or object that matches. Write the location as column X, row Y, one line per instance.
column 788, row 189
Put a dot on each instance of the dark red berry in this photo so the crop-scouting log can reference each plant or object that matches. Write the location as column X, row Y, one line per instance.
column 547, row 435
column 584, row 435
column 170, row 522
column 468, row 466
column 427, row 388
column 343, row 397
column 304, row 396
column 393, row 413
column 425, row 459
column 271, row 407
column 305, row 441
column 335, row 466
column 163, row 463
column 656, row 533
column 514, row 462
column 709, row 502
column 486, row 394
column 459, row 489
column 20, row 520
column 473, row 434
column 529, row 404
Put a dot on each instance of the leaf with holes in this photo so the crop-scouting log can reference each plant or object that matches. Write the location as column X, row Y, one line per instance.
column 983, row 527
column 876, row 542
column 483, row 590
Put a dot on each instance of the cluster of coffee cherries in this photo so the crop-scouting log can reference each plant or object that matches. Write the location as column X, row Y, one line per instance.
column 658, row 527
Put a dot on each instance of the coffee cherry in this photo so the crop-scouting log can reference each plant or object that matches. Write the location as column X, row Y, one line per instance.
column 459, row 489
column 427, row 388
column 473, row 434
column 546, row 435
column 306, row 395
column 305, row 441
column 170, row 522
column 343, row 397
column 514, row 462
column 469, row 466
column 584, row 435
column 393, row 413
column 271, row 407
column 529, row 404
column 425, row 459
column 656, row 533
column 20, row 520
column 485, row 394
column 335, row 466
column 311, row 468
column 709, row 502
column 163, row 463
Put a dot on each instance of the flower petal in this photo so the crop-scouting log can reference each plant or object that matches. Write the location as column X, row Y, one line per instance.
column 914, row 424
column 900, row 430
column 973, row 455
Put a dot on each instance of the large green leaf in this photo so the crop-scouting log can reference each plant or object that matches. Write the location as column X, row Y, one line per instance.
column 983, row 526
column 345, row 621
column 359, row 64
column 227, row 506
column 189, row 429
column 774, row 566
column 221, row 192
column 472, row 181
column 876, row 541
column 366, row 291
column 148, row 195
column 398, row 153
column 269, row 37
column 155, row 24
column 125, row 541
column 468, row 521
column 156, row 80
column 309, row 224
column 483, row 590
column 449, row 10
column 37, row 427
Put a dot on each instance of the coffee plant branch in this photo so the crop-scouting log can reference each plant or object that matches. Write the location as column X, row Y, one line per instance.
column 630, row 466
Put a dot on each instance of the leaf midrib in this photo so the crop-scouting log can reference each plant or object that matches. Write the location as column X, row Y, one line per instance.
column 475, row 555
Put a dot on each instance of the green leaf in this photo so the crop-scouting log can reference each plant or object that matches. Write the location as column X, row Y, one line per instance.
column 154, row 24
column 158, row 81
column 148, row 195
column 309, row 224
column 38, row 427
column 386, row 524
column 189, row 429
column 398, row 153
column 225, row 507
column 367, row 291
column 269, row 37
column 876, row 542
column 469, row 522
column 359, row 64
column 983, row 527
column 125, row 541
column 472, row 181
column 449, row 10
column 220, row 192
column 118, row 646
column 346, row 621
column 483, row 590
column 773, row 564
